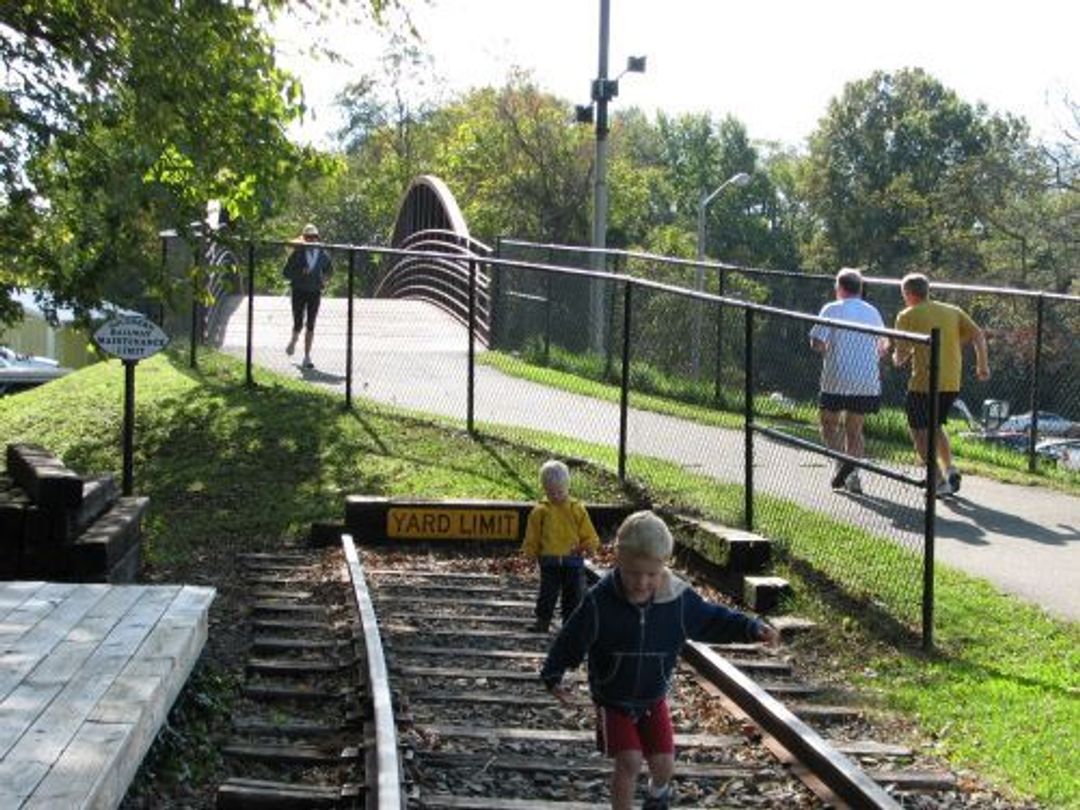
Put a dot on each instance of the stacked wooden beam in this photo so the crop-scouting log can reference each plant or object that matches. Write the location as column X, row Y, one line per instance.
column 55, row 524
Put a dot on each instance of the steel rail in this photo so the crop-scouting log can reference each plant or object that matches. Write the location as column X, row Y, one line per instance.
column 842, row 776
column 385, row 788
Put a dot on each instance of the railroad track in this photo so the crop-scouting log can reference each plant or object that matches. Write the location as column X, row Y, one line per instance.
column 454, row 715
column 298, row 737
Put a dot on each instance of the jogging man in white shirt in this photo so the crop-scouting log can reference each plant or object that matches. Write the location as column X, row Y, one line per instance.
column 850, row 379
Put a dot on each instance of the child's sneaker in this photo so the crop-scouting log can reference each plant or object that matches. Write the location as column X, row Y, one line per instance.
column 290, row 348
column 943, row 490
column 659, row 801
column 952, row 475
column 307, row 363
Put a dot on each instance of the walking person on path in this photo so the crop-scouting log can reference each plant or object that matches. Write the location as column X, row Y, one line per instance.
column 956, row 329
column 307, row 269
column 558, row 534
column 850, row 378
column 631, row 627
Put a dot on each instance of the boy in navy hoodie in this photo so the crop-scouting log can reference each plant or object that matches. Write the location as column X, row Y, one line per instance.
column 631, row 626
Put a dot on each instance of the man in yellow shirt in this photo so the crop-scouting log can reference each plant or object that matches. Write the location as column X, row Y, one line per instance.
column 956, row 329
column 558, row 534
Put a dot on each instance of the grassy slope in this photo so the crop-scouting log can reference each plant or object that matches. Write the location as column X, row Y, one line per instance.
column 229, row 468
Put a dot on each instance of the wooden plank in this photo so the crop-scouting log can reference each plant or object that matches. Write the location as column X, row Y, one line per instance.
column 500, row 733
column 411, row 602
column 32, row 609
column 243, row 794
column 124, row 665
column 52, row 619
column 466, row 652
column 84, row 771
column 14, row 594
column 577, row 767
column 445, row 802
column 30, row 697
column 54, row 728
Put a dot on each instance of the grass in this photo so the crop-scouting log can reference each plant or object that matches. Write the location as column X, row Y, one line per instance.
column 228, row 468
column 653, row 390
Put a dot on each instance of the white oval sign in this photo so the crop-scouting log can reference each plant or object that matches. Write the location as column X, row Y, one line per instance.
column 131, row 337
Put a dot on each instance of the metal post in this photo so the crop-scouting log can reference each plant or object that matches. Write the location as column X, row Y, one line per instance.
column 250, row 313
column 609, row 350
column 931, row 491
column 349, row 331
column 471, row 394
column 194, row 316
column 129, row 427
column 494, row 295
column 1036, row 374
column 600, row 199
column 547, row 311
column 717, row 393
column 748, row 422
column 699, row 285
column 624, row 393
column 164, row 272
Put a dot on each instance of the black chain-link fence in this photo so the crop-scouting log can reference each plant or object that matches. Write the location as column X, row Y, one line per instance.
column 610, row 359
column 1034, row 341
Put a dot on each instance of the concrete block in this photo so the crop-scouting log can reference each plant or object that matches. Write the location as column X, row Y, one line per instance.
column 763, row 594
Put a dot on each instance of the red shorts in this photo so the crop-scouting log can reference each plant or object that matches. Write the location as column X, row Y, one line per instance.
column 649, row 732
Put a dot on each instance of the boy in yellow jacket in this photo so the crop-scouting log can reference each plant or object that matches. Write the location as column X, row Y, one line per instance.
column 558, row 534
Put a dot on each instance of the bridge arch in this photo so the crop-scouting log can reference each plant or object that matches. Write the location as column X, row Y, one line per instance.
column 430, row 221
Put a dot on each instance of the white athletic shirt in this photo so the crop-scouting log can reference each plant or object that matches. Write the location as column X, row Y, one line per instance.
column 850, row 363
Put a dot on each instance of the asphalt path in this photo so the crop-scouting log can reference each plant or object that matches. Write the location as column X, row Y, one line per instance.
column 1024, row 540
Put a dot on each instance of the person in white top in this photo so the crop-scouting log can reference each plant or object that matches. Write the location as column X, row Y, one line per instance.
column 850, row 377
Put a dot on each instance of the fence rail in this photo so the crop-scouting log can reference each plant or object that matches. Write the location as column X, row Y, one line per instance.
column 763, row 463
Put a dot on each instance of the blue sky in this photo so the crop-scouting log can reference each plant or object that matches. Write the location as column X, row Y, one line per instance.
column 774, row 65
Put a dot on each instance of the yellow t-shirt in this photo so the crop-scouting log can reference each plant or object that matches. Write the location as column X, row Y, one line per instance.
column 956, row 328
column 557, row 530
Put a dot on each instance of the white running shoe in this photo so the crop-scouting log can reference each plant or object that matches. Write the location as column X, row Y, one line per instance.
column 852, row 483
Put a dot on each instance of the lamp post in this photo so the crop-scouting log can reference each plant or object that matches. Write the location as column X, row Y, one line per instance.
column 603, row 90
column 738, row 179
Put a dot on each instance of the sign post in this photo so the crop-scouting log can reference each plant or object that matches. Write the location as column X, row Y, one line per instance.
column 131, row 338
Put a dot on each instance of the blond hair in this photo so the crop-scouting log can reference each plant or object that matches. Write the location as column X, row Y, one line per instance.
column 645, row 534
column 554, row 472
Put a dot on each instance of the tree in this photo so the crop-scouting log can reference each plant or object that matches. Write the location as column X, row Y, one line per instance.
column 117, row 118
column 894, row 170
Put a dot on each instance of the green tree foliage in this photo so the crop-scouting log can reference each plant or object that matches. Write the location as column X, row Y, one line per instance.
column 898, row 174
column 118, row 117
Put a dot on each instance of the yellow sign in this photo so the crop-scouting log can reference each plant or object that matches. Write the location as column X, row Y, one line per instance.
column 452, row 524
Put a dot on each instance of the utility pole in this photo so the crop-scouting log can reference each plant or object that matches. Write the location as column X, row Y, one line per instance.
column 602, row 92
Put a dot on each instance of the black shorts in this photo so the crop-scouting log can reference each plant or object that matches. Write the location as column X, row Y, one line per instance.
column 848, row 402
column 917, row 408
column 305, row 302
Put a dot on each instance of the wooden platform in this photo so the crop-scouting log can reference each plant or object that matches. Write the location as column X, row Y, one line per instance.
column 88, row 673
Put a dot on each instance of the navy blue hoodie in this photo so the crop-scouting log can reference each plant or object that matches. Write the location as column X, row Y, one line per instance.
column 632, row 649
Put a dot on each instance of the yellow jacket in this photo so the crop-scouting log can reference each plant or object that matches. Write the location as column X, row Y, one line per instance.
column 559, row 530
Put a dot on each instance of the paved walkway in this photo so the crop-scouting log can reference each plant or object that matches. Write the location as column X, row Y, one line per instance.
column 1025, row 540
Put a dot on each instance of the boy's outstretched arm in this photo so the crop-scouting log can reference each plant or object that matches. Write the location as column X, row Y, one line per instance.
column 568, row 649
column 709, row 622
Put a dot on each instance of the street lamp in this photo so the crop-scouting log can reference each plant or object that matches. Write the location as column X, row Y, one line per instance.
column 603, row 90
column 738, row 179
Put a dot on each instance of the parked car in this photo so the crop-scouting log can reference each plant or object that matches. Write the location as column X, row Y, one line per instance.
column 23, row 370
column 1065, row 452
column 1050, row 424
